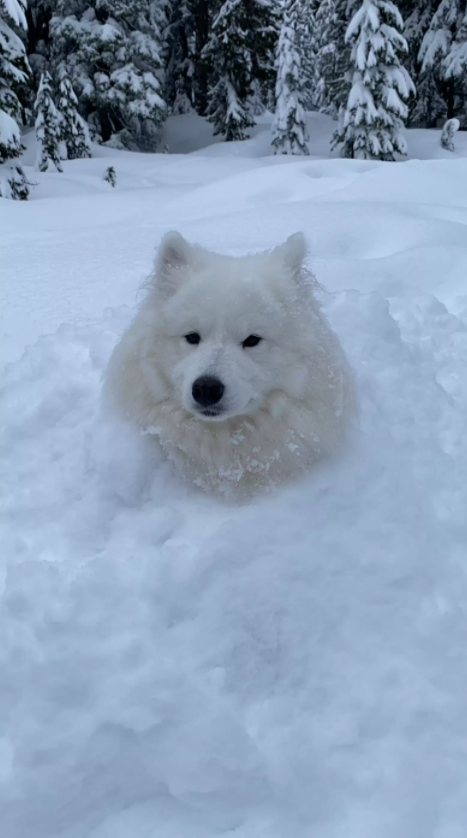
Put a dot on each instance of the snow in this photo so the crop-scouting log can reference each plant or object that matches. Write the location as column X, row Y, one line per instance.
column 174, row 666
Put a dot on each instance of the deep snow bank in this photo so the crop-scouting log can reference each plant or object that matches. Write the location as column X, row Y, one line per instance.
column 172, row 666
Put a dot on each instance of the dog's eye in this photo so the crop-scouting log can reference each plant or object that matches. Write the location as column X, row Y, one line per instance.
column 251, row 340
column 193, row 338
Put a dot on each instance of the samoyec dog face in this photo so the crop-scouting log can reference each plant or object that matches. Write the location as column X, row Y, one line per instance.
column 230, row 332
column 232, row 367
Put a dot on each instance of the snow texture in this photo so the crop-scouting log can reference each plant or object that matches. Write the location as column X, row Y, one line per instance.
column 174, row 666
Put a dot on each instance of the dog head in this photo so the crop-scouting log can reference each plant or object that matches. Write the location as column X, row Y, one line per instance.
column 231, row 331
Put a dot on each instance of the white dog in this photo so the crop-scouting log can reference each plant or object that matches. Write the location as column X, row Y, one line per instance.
column 231, row 363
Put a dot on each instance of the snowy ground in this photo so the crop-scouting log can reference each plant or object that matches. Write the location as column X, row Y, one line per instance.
column 172, row 667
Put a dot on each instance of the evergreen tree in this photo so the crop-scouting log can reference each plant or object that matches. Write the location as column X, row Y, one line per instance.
column 228, row 50
column 48, row 128
column 73, row 129
column 428, row 106
column 444, row 51
column 376, row 106
column 181, row 100
column 13, row 75
column 263, row 38
column 307, row 46
column 456, row 59
column 256, row 103
column 38, row 15
column 333, row 76
column 289, row 126
column 181, row 62
column 204, row 12
column 113, row 51
column 325, row 51
column 190, row 63
column 239, row 50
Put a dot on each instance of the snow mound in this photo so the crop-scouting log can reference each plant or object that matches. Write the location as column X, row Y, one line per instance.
column 173, row 666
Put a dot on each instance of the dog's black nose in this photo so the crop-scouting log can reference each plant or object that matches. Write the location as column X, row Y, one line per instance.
column 207, row 391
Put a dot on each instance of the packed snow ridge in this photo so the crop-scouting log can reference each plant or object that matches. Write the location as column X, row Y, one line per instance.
column 175, row 666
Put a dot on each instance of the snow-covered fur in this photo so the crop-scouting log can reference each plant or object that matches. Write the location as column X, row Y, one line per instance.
column 286, row 401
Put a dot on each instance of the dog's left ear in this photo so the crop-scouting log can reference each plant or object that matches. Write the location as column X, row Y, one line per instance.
column 292, row 252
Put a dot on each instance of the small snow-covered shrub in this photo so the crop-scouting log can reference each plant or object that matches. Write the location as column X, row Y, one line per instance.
column 110, row 176
column 447, row 134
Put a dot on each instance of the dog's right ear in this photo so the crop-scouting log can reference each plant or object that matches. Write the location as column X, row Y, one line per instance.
column 173, row 257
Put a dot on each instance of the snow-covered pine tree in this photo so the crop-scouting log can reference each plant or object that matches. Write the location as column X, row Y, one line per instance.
column 289, row 132
column 238, row 51
column 325, row 52
column 13, row 75
column 181, row 59
column 444, row 50
column 264, row 35
column 113, row 52
column 428, row 105
column 38, row 16
column 307, row 45
column 181, row 99
column 228, row 50
column 256, row 104
column 48, row 128
column 333, row 76
column 73, row 129
column 456, row 64
column 376, row 107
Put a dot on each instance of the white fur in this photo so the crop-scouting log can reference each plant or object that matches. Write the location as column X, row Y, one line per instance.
column 287, row 401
